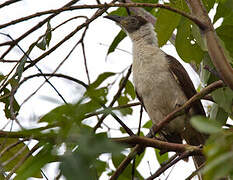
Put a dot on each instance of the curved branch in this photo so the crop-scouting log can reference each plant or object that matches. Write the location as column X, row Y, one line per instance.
column 215, row 50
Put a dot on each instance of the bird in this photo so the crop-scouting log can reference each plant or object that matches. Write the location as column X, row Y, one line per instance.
column 161, row 83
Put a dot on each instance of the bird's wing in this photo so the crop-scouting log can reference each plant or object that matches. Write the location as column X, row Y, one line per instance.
column 183, row 79
column 191, row 135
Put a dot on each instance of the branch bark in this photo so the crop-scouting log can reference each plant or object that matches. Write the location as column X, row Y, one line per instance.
column 215, row 50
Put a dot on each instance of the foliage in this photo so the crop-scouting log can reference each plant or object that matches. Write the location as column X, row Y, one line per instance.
column 69, row 139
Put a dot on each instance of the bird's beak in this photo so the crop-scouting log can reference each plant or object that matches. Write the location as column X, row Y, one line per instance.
column 115, row 18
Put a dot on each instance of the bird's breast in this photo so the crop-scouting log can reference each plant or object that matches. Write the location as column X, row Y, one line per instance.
column 156, row 86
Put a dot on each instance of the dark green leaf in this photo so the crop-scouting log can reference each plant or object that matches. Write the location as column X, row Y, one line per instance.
column 42, row 44
column 225, row 32
column 161, row 158
column 205, row 125
column 224, row 98
column 2, row 177
column 122, row 100
column 21, row 65
column 117, row 159
column 101, row 78
column 139, row 158
column 83, row 161
column 129, row 89
column 218, row 151
column 6, row 100
column 219, row 167
column 166, row 23
column 186, row 45
column 98, row 96
column 198, row 37
column 1, row 77
column 218, row 114
column 33, row 165
column 224, row 8
column 206, row 76
column 209, row 4
column 7, row 155
column 120, row 36
column 48, row 34
column 59, row 114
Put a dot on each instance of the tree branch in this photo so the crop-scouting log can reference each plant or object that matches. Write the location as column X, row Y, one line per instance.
column 162, row 145
column 215, row 50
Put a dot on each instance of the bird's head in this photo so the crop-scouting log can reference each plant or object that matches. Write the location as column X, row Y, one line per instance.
column 129, row 23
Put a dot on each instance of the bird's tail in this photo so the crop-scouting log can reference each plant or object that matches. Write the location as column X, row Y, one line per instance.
column 195, row 138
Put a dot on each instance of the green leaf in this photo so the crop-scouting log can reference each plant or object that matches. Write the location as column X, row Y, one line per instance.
column 6, row 100
column 225, row 32
column 129, row 89
column 122, row 100
column 42, row 44
column 1, row 77
column 198, row 37
column 119, row 11
column 45, row 41
column 101, row 78
column 224, row 98
column 117, row 159
column 2, row 177
column 48, row 34
column 166, row 23
column 206, row 76
column 224, row 8
column 218, row 114
column 219, row 167
column 22, row 63
column 218, row 151
column 205, row 125
column 148, row 124
column 209, row 4
column 139, row 158
column 7, row 155
column 33, row 165
column 120, row 36
column 62, row 113
column 161, row 158
column 186, row 45
column 83, row 161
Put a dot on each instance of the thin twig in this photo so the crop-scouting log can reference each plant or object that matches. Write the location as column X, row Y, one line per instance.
column 8, row 3
column 164, row 168
column 117, row 95
column 57, row 11
column 12, row 44
column 195, row 173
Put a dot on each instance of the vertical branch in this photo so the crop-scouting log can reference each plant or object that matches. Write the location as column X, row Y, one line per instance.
column 215, row 50
column 85, row 63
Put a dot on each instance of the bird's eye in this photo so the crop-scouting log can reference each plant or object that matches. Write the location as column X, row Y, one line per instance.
column 133, row 21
